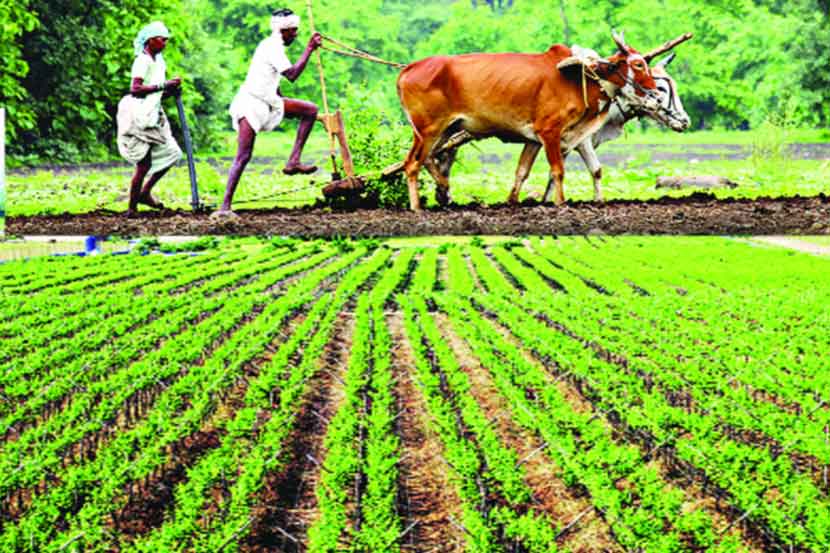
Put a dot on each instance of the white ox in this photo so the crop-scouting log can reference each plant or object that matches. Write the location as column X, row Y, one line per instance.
column 671, row 114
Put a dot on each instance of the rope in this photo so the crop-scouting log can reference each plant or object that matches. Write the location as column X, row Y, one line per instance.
column 356, row 53
column 279, row 195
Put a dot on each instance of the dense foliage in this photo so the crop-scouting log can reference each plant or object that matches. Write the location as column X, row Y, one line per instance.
column 66, row 62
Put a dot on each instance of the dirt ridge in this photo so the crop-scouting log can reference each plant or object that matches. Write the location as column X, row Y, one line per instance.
column 698, row 213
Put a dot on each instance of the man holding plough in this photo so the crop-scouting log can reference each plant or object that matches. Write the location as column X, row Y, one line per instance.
column 144, row 136
column 258, row 106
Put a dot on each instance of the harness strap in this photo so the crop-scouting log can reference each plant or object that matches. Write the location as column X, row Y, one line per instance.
column 606, row 86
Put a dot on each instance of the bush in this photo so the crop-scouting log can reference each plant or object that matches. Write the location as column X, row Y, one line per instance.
column 770, row 141
column 377, row 139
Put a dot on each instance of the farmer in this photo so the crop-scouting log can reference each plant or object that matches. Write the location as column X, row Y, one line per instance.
column 258, row 106
column 144, row 136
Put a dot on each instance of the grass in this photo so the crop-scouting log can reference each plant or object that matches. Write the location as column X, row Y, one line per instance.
column 654, row 135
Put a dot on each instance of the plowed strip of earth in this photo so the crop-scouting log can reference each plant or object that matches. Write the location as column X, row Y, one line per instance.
column 699, row 213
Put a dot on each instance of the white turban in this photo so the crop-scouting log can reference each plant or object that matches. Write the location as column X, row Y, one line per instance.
column 280, row 22
column 156, row 28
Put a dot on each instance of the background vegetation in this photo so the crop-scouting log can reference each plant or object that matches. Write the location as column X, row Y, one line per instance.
column 66, row 62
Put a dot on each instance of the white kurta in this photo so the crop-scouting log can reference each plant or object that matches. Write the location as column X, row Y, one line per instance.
column 142, row 124
column 257, row 99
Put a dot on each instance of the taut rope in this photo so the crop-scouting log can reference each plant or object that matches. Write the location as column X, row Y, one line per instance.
column 356, row 53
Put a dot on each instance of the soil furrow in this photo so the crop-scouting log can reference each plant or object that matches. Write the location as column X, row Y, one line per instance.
column 697, row 213
column 551, row 496
column 426, row 501
column 287, row 506
column 700, row 490
column 147, row 505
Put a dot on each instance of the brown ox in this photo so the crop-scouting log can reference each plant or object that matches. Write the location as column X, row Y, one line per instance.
column 517, row 98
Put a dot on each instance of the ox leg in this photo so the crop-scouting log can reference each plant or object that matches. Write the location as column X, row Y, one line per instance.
column 412, row 166
column 551, row 140
column 529, row 153
column 589, row 156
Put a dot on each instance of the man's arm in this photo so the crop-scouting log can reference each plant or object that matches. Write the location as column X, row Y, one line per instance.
column 140, row 90
column 293, row 72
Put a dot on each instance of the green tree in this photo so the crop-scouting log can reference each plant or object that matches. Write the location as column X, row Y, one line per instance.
column 79, row 59
column 16, row 18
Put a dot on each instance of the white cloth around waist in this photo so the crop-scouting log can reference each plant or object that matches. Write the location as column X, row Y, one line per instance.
column 135, row 140
column 260, row 115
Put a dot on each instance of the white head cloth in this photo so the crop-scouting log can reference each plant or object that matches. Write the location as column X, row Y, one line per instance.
column 280, row 22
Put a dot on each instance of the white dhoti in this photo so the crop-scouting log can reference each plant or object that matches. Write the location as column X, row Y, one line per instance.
column 135, row 140
column 261, row 115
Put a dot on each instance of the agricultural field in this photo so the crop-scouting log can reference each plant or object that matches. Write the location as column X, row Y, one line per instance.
column 780, row 177
column 484, row 173
column 527, row 395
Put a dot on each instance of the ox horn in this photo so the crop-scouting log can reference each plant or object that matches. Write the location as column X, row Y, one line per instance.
column 667, row 46
column 666, row 61
column 619, row 38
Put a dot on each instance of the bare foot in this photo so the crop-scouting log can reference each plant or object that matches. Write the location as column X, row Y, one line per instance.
column 131, row 213
column 150, row 201
column 299, row 168
column 224, row 214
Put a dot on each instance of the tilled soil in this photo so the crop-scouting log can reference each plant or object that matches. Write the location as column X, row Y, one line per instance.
column 699, row 213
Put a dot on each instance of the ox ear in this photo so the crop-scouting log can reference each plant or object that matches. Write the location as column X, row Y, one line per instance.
column 666, row 61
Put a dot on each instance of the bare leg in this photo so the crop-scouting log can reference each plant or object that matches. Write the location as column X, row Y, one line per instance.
column 141, row 170
column 589, row 156
column 145, row 197
column 244, row 151
column 529, row 153
column 306, row 112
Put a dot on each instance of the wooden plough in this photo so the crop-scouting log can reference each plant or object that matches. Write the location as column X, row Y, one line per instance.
column 351, row 184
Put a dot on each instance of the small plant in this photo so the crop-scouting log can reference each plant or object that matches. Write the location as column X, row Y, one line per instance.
column 371, row 244
column 343, row 244
column 510, row 244
column 770, row 141
column 283, row 242
column 477, row 242
column 146, row 245
column 198, row 245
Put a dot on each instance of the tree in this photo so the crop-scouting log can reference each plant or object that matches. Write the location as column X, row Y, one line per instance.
column 17, row 18
column 79, row 57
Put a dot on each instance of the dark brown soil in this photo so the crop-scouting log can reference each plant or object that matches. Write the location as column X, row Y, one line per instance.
column 288, row 504
column 426, row 500
column 145, row 510
column 698, row 213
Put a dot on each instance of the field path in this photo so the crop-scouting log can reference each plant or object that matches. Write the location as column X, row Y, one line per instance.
column 795, row 244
